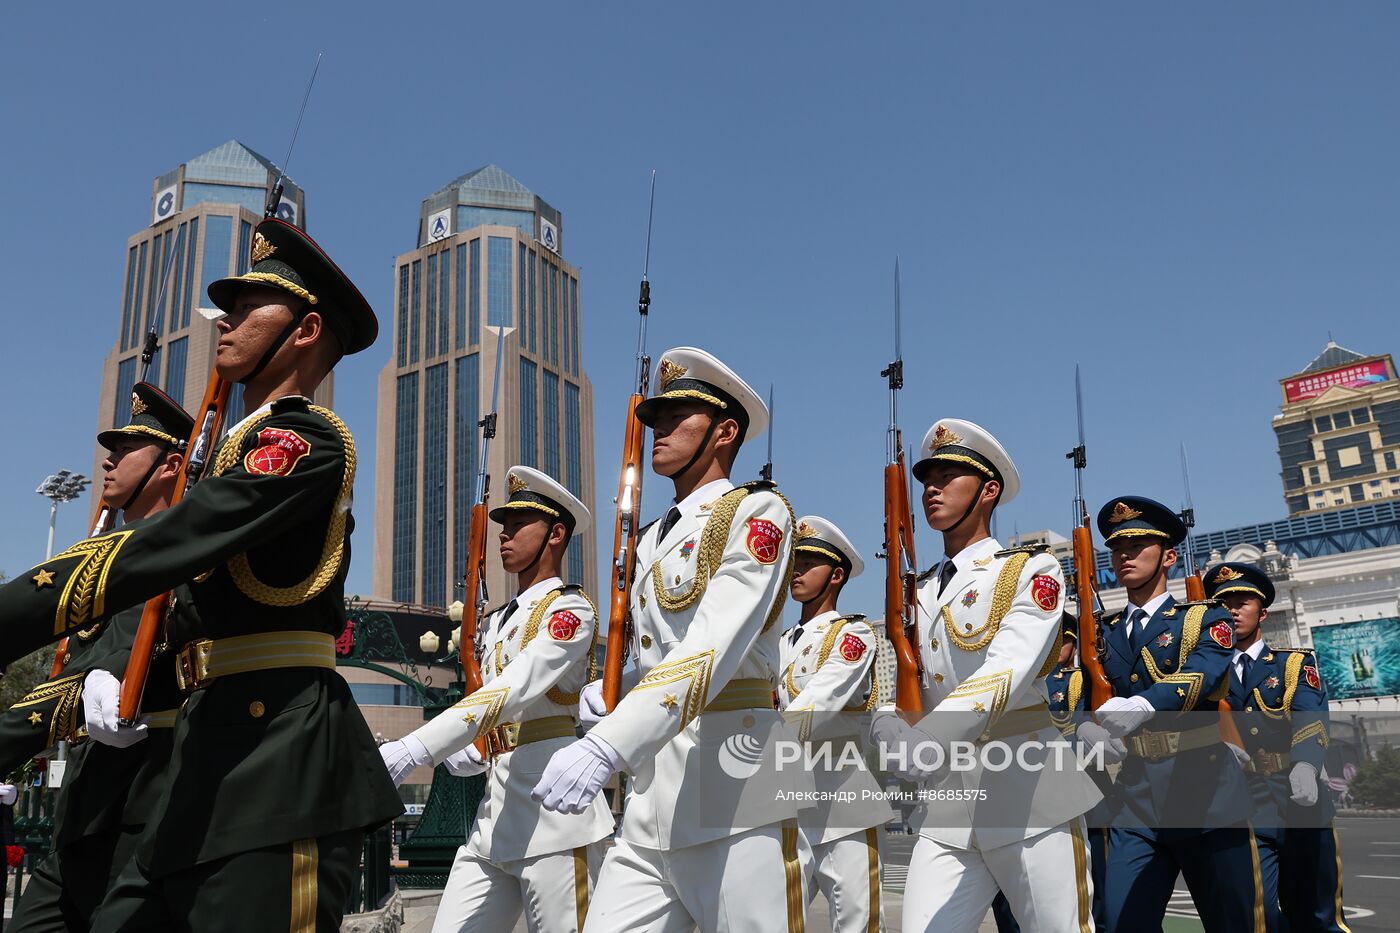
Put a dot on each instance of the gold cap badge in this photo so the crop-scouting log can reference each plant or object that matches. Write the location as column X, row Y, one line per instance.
column 1226, row 574
column 138, row 407
column 942, row 437
column 261, row 248
column 1122, row 512
column 516, row 484
column 670, row 372
column 805, row 530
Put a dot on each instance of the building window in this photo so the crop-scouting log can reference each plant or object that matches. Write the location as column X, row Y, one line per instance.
column 465, row 444
column 126, row 302
column 1324, row 423
column 476, row 293
column 1360, row 416
column 573, row 316
column 245, row 246
column 435, row 487
column 190, row 254
column 405, row 486
column 126, row 378
column 175, row 369
column 534, row 323
column 175, row 302
column 553, row 313
column 1314, row 475
column 385, row 695
column 529, row 451
column 415, row 302
column 520, row 296
column 460, row 298
column 498, row 282
column 551, row 422
column 432, row 310
column 161, row 248
column 1341, row 419
column 1357, row 492
column 131, row 338
column 576, row 565
column 444, row 277
column 218, row 241
column 403, row 314
column 573, row 453
column 1390, row 459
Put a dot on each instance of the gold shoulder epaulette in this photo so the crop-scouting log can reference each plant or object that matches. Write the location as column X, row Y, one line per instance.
column 759, row 484
column 926, row 574
column 1023, row 549
column 1187, row 604
column 854, row 617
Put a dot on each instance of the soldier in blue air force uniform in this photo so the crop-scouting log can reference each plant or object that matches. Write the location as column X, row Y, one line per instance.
column 1181, row 789
column 1282, row 714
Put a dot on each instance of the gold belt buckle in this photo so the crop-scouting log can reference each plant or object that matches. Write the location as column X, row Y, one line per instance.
column 1155, row 746
column 192, row 666
column 504, row 738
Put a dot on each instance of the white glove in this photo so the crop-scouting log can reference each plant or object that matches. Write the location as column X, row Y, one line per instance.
column 909, row 752
column 1303, row 780
column 591, row 708
column 403, row 756
column 575, row 774
column 466, row 763
column 101, row 699
column 1240, row 754
column 8, row 794
column 1122, row 715
column 1091, row 734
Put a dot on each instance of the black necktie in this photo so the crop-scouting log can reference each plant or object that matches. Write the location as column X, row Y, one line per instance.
column 505, row 616
column 1135, row 630
column 668, row 523
column 1246, row 662
column 945, row 573
column 796, row 634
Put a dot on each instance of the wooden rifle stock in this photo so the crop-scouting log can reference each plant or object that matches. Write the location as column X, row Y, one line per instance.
column 471, row 612
column 199, row 450
column 1087, row 594
column 1229, row 732
column 901, row 605
column 625, row 538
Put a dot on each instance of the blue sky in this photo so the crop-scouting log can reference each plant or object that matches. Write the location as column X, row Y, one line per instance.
column 1185, row 198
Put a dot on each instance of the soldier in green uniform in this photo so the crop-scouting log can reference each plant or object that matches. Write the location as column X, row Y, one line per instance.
column 105, row 798
column 275, row 776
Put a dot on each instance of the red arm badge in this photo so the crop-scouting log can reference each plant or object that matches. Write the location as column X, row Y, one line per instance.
column 278, row 452
column 1223, row 633
column 1310, row 673
column 563, row 625
column 852, row 648
column 1045, row 590
column 764, row 540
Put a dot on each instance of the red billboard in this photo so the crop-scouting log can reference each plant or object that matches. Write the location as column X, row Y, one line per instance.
column 1354, row 376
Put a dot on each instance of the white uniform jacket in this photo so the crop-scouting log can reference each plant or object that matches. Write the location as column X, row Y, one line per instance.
column 705, row 607
column 827, row 690
column 987, row 643
column 532, row 668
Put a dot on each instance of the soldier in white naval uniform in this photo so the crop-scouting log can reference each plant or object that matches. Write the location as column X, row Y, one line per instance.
column 827, row 690
column 700, row 846
column 989, row 630
column 537, row 654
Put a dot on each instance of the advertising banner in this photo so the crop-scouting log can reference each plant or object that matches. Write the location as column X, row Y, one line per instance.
column 1359, row 659
column 1353, row 377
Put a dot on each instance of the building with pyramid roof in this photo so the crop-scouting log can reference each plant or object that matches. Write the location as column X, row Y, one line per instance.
column 201, row 227
column 1339, row 431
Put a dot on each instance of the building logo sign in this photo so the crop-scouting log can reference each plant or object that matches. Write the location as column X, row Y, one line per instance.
column 287, row 211
column 439, row 226
column 1359, row 659
column 165, row 205
column 549, row 235
column 1352, row 377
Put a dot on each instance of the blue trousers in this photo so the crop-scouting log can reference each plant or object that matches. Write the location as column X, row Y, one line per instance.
column 1221, row 868
column 1310, row 882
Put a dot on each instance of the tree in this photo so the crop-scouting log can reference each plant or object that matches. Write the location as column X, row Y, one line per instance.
column 1377, row 782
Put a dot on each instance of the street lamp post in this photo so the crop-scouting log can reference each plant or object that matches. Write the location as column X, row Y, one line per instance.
column 63, row 486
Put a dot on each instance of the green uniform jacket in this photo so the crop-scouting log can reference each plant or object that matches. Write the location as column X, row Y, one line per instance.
column 265, row 542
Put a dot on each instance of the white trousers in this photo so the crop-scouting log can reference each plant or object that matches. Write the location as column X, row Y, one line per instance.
column 1045, row 878
column 847, row 872
column 748, row 883
column 552, row 891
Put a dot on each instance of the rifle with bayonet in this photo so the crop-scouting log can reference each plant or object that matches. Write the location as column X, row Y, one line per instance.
column 470, row 646
column 901, row 573
column 207, row 425
column 626, row 531
column 1196, row 592
column 1091, row 641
